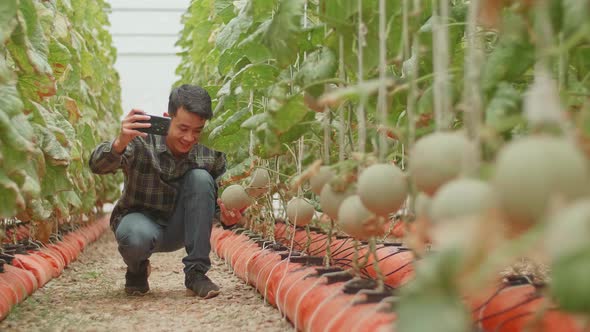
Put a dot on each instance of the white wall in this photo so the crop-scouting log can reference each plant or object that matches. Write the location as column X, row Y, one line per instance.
column 144, row 33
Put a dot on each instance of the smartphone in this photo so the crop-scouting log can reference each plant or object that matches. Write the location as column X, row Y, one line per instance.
column 159, row 126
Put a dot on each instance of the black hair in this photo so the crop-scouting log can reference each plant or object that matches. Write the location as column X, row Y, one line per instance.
column 192, row 98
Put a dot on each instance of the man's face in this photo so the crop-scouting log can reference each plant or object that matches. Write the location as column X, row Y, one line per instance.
column 185, row 130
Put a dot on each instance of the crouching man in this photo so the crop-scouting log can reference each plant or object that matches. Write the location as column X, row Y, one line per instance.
column 170, row 192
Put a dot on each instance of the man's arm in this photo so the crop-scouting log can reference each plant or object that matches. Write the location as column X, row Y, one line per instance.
column 105, row 158
column 108, row 156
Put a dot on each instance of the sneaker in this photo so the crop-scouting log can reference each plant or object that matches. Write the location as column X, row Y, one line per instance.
column 136, row 283
column 197, row 283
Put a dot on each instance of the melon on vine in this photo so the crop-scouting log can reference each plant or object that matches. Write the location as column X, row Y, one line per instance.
column 438, row 158
column 234, row 197
column 461, row 198
column 535, row 173
column 382, row 188
column 318, row 180
column 259, row 184
column 300, row 211
column 330, row 200
column 357, row 221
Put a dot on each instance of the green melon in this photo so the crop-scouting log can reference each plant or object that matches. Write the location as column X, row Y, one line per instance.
column 461, row 198
column 438, row 158
column 299, row 211
column 382, row 188
column 535, row 172
column 235, row 197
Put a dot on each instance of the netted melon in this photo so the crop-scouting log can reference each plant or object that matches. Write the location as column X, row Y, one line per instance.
column 382, row 188
column 299, row 211
column 318, row 181
column 535, row 173
column 357, row 221
column 438, row 158
column 330, row 200
column 235, row 197
column 461, row 198
column 259, row 184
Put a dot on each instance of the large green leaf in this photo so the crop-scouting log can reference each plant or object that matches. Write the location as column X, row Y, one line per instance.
column 231, row 33
column 56, row 179
column 7, row 18
column 230, row 126
column 255, row 77
column 283, row 33
column 10, row 198
column 318, row 65
column 512, row 56
column 290, row 114
column 28, row 43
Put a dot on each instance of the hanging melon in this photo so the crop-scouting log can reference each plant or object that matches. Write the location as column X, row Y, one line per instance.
column 438, row 158
column 235, row 197
column 382, row 188
column 299, row 211
column 535, row 173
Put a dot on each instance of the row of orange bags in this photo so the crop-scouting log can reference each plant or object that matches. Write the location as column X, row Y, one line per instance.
column 28, row 271
column 317, row 301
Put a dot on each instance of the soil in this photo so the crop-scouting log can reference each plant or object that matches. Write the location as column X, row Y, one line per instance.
column 89, row 296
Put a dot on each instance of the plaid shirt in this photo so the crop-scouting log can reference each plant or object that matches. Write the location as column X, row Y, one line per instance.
column 152, row 174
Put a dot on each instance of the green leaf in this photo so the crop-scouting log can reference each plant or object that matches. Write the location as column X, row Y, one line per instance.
column 283, row 33
column 59, row 57
column 7, row 18
column 230, row 34
column 319, row 65
column 338, row 13
column 230, row 126
column 255, row 121
column 228, row 59
column 10, row 198
column 54, row 152
column 55, row 180
column 255, row 77
column 291, row 113
column 28, row 43
column 512, row 57
column 503, row 107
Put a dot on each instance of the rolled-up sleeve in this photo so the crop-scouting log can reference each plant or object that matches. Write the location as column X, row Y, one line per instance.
column 105, row 160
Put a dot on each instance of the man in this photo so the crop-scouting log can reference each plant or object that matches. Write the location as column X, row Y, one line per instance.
column 169, row 193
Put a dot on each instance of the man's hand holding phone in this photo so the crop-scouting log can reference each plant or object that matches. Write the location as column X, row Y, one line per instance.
column 229, row 217
column 130, row 129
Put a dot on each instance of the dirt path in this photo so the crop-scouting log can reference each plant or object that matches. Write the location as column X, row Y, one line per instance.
column 89, row 296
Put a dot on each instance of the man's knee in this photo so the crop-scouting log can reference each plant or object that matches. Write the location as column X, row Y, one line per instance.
column 135, row 236
column 198, row 180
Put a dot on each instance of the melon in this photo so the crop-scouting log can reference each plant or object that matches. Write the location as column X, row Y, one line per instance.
column 535, row 173
column 330, row 200
column 299, row 211
column 438, row 158
column 235, row 197
column 357, row 221
column 461, row 198
column 259, row 184
column 382, row 188
column 318, row 181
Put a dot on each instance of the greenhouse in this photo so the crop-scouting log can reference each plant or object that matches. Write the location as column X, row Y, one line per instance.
column 295, row 165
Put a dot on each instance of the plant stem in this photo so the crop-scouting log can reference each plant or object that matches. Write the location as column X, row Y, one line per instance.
column 382, row 96
column 472, row 96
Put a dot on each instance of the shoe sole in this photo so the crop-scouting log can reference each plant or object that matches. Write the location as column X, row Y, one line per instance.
column 209, row 295
column 134, row 292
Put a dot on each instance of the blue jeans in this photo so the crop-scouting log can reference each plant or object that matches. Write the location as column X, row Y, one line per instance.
column 139, row 236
